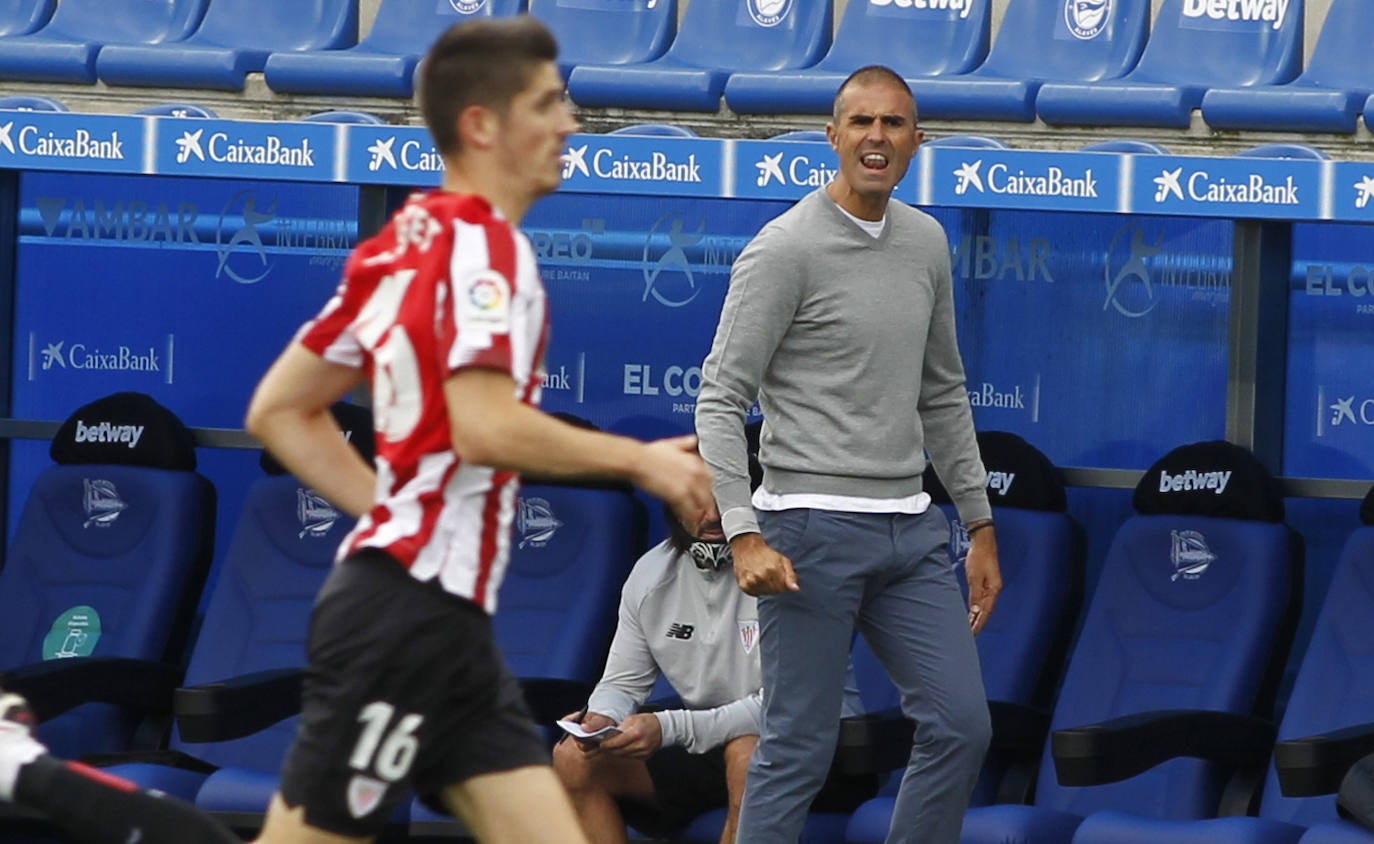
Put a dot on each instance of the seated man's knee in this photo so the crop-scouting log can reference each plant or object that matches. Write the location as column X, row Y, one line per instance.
column 575, row 769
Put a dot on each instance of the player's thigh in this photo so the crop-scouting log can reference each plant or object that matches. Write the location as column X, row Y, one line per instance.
column 288, row 826
column 520, row 806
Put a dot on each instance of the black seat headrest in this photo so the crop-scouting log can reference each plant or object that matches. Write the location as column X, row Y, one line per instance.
column 1214, row 478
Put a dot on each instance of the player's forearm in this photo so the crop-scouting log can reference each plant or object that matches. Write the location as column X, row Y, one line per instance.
column 309, row 444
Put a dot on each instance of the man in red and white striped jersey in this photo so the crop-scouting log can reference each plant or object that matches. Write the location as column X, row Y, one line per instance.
column 444, row 314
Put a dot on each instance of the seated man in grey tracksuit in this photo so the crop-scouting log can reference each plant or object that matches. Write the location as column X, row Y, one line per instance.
column 682, row 615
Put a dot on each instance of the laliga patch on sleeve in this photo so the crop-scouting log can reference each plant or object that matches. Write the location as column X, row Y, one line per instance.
column 484, row 303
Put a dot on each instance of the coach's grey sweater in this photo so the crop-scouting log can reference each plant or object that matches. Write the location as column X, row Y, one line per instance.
column 847, row 341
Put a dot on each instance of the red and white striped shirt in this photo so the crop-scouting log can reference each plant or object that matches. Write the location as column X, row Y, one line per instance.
column 448, row 284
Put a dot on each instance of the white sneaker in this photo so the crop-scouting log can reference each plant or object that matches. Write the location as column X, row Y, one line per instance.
column 18, row 747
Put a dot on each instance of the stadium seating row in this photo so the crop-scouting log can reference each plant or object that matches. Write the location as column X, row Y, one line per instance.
column 1066, row 62
column 1176, row 665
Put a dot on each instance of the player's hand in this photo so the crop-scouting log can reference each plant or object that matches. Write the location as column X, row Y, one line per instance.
column 591, row 721
column 640, row 737
column 759, row 568
column 984, row 578
column 672, row 470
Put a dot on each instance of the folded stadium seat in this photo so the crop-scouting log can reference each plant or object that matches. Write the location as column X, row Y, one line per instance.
column 236, row 714
column 1193, row 47
column 1021, row 651
column 1126, row 145
column 1369, row 112
column 1326, row 725
column 31, row 102
column 20, row 17
column 355, row 117
column 1300, row 151
column 812, row 135
column 717, row 38
column 1327, row 97
column 104, row 573
column 65, row 50
column 383, row 63
column 572, row 548
column 966, row 142
column 178, row 110
column 234, row 39
column 915, row 42
column 662, row 130
column 1181, row 651
column 608, row 32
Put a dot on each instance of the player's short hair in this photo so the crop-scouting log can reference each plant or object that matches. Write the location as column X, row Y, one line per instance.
column 869, row 74
column 482, row 61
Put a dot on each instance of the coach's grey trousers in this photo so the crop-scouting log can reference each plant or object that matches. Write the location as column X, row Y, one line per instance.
column 889, row 576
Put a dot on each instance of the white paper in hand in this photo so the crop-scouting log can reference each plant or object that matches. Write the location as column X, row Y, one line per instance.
column 575, row 730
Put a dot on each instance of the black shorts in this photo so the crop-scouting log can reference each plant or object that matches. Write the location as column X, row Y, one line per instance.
column 405, row 690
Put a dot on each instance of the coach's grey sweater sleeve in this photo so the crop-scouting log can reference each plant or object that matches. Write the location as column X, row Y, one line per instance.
column 946, row 415
column 765, row 291
column 700, row 730
column 630, row 667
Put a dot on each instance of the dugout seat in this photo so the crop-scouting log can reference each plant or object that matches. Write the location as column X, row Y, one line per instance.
column 1298, row 151
column 31, row 102
column 1077, row 41
column 65, row 50
column 383, row 63
column 717, row 38
column 233, row 40
column 20, row 17
column 237, row 712
column 608, row 32
column 967, row 142
column 1181, row 651
column 914, row 42
column 1190, row 50
column 354, row 117
column 178, row 110
column 662, row 130
column 1327, row 97
column 1326, row 726
column 103, row 575
column 1129, row 146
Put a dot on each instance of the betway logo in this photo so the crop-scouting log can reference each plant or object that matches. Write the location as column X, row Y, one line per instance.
column 1000, row 482
column 224, row 151
column 1271, row 11
column 799, row 171
column 1000, row 179
column 963, row 7
column 104, row 432
column 604, row 165
column 411, row 156
column 1200, row 188
column 81, row 143
column 1193, row 480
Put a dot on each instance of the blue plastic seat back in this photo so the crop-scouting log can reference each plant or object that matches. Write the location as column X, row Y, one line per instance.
column 359, row 117
column 967, row 141
column 912, row 41
column 1334, row 687
column 272, row 25
column 662, row 130
column 609, row 31
column 1205, row 48
column 19, row 17
column 1299, row 151
column 753, row 34
column 125, row 21
column 1195, row 609
column 570, row 553
column 178, row 110
column 31, row 102
column 808, row 135
column 109, row 555
column 1069, row 41
column 1126, row 145
column 1343, row 47
column 408, row 27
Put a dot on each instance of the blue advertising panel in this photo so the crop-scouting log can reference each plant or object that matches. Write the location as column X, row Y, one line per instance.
column 1329, row 421
column 790, row 170
column 387, row 155
column 957, row 176
column 42, row 140
column 636, row 164
column 1100, row 339
column 245, row 149
column 1272, row 188
column 1352, row 191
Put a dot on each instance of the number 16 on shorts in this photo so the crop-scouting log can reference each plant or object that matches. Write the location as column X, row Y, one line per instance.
column 387, row 753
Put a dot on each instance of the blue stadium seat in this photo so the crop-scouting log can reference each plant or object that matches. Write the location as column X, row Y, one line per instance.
column 662, row 130
column 356, row 117
column 1182, row 647
column 65, row 50
column 178, row 110
column 1332, row 693
column 608, row 32
column 966, row 142
column 1369, row 112
column 1193, row 47
column 1327, row 97
column 1299, row 151
column 572, row 548
column 914, row 42
column 383, row 63
column 718, row 37
column 31, row 102
column 233, row 40
column 1083, row 41
column 104, row 573
column 1126, row 145
column 20, row 17
column 242, row 683
column 1021, row 650
column 810, row 135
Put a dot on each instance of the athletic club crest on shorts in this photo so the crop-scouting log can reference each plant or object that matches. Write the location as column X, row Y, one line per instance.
column 749, row 635
column 364, row 795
